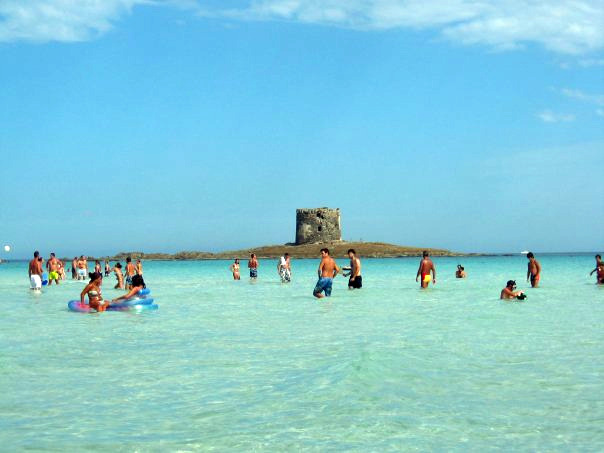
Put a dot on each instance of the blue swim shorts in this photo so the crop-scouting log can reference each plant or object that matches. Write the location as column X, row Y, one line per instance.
column 253, row 273
column 324, row 284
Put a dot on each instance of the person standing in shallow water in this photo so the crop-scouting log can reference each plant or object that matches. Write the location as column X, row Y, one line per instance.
column 235, row 269
column 534, row 270
column 356, row 280
column 252, row 264
column 598, row 270
column 35, row 272
column 426, row 266
column 284, row 268
column 328, row 269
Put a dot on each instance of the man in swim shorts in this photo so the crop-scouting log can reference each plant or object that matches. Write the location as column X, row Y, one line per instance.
column 598, row 269
column 74, row 266
column 252, row 264
column 53, row 265
column 327, row 271
column 284, row 268
column 534, row 270
column 509, row 293
column 426, row 266
column 130, row 272
column 35, row 272
column 356, row 280
column 82, row 265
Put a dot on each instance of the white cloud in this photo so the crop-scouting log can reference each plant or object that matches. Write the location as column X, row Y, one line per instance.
column 59, row 20
column 547, row 116
column 564, row 26
column 597, row 99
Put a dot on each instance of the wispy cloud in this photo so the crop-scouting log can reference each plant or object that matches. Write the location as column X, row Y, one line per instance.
column 59, row 20
column 547, row 116
column 564, row 26
column 597, row 99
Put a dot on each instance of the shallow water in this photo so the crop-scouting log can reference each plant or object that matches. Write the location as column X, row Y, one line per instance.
column 230, row 365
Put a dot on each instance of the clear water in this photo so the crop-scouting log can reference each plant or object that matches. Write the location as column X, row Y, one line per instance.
column 230, row 365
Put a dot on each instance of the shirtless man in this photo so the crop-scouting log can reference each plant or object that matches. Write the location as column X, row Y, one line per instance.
column 597, row 269
column 53, row 265
column 82, row 266
column 327, row 271
column 139, row 267
column 534, row 270
column 509, row 293
column 35, row 272
column 130, row 272
column 426, row 266
column 284, row 268
column 252, row 264
column 356, row 280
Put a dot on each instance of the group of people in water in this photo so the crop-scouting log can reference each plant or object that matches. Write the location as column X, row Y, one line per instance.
column 328, row 269
column 80, row 270
column 132, row 283
column 426, row 273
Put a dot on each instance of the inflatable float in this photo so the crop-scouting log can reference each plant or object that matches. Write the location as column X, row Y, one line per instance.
column 138, row 303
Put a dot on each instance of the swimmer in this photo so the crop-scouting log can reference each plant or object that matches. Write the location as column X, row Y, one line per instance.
column 253, row 264
column 82, row 266
column 284, row 268
column 118, row 274
column 74, row 266
column 139, row 267
column 534, row 270
column 62, row 270
column 327, row 271
column 53, row 267
column 137, row 284
column 93, row 290
column 426, row 266
column 599, row 265
column 235, row 270
column 107, row 268
column 35, row 272
column 130, row 272
column 509, row 293
column 97, row 266
column 460, row 272
column 356, row 280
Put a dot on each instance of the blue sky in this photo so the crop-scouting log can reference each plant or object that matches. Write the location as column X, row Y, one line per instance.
column 179, row 125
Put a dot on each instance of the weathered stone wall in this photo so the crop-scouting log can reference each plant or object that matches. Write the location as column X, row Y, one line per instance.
column 317, row 225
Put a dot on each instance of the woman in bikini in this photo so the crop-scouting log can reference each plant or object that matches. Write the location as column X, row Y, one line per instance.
column 93, row 290
column 235, row 270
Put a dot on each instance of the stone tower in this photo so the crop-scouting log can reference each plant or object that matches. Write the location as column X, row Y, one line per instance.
column 317, row 225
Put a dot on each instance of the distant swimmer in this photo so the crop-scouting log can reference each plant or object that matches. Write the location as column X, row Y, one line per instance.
column 119, row 276
column 93, row 290
column 82, row 266
column 460, row 272
column 284, row 268
column 426, row 266
column 62, row 270
column 597, row 269
column 235, row 269
column 35, row 272
column 74, row 268
column 130, row 272
column 53, row 265
column 354, row 271
column 509, row 293
column 252, row 264
column 534, row 270
column 97, row 267
column 137, row 284
column 327, row 271
column 139, row 267
column 107, row 268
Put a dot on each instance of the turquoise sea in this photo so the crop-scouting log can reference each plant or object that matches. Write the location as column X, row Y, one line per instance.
column 240, row 366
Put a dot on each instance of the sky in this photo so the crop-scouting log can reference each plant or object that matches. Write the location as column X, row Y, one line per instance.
column 162, row 126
